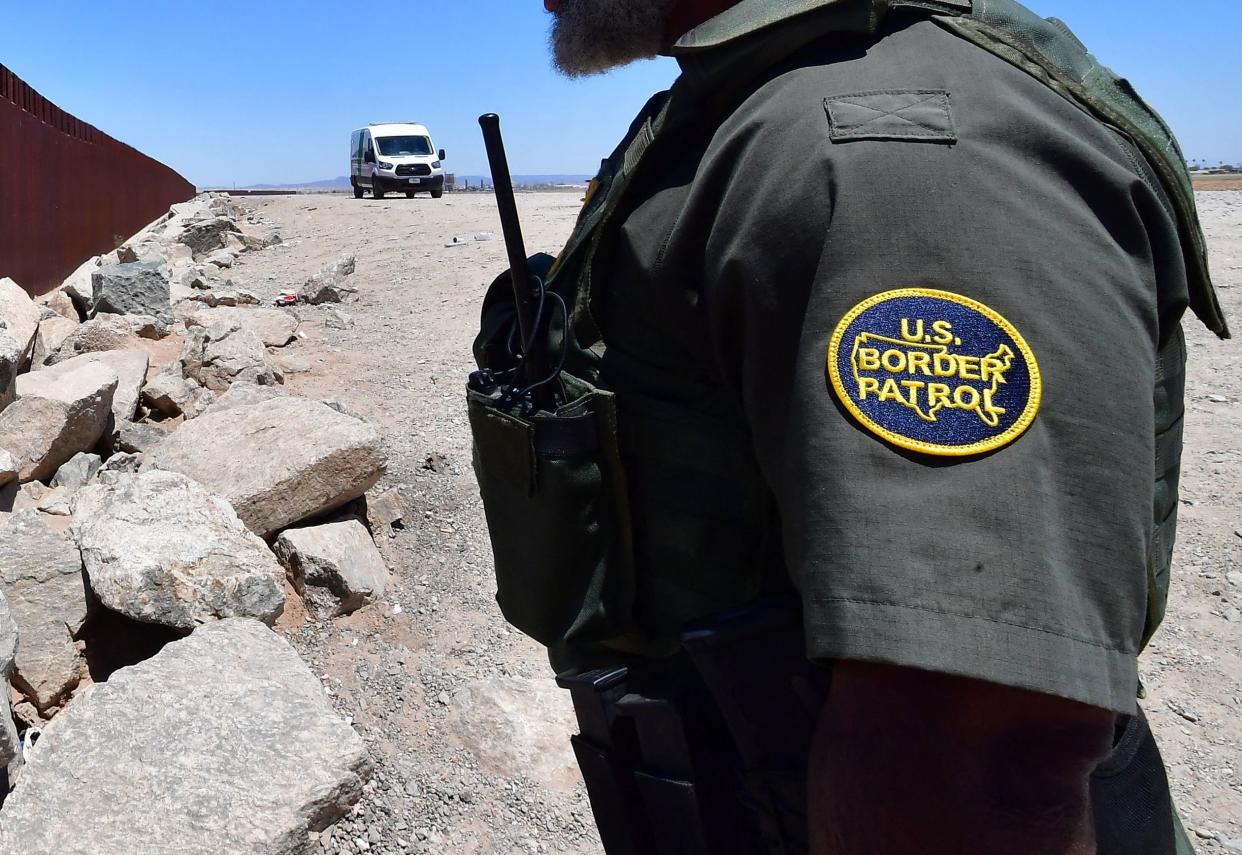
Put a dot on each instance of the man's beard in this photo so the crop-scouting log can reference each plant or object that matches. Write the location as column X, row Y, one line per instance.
column 591, row 36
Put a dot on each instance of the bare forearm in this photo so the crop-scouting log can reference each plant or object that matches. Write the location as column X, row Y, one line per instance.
column 906, row 761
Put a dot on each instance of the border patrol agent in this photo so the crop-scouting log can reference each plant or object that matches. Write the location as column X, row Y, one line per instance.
column 871, row 407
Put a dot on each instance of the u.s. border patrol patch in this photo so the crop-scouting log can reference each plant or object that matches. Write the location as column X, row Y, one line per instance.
column 934, row 372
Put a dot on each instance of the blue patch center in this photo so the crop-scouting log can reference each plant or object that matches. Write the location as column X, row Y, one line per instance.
column 935, row 372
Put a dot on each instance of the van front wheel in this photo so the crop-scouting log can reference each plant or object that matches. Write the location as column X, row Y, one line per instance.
column 376, row 189
column 357, row 190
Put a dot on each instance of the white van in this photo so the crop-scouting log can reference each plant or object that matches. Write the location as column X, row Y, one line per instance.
column 396, row 158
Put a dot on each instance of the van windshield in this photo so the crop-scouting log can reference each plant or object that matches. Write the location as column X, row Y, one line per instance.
column 397, row 146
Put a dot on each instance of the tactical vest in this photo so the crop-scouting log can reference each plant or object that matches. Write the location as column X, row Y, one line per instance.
column 1045, row 49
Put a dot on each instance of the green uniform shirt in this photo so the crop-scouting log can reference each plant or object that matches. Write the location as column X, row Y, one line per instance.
column 912, row 167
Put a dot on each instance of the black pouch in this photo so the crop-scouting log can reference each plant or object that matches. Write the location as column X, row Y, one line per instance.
column 555, row 499
column 1134, row 813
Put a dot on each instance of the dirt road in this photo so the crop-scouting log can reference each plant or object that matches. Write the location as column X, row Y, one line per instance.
column 460, row 711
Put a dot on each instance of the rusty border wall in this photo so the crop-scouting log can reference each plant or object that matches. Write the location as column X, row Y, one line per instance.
column 68, row 191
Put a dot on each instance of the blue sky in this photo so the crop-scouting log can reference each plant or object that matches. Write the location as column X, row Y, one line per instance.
column 247, row 91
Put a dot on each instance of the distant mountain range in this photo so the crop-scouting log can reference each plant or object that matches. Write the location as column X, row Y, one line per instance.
column 342, row 182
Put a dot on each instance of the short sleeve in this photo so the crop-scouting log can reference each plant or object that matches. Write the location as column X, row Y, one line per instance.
column 945, row 351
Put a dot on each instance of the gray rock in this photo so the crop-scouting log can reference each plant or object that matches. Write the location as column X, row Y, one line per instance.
column 386, row 512
column 10, row 747
column 140, row 288
column 344, row 265
column 221, row 258
column 78, row 471
column 11, row 359
column 51, row 335
column 334, row 567
column 161, row 549
column 224, row 743
column 136, row 437
column 19, row 314
column 41, row 575
column 290, row 364
column 106, row 332
column 58, row 502
column 220, row 354
column 8, row 468
column 242, row 394
column 206, row 236
column 123, row 461
column 8, row 642
column 78, row 286
column 201, row 404
column 516, row 728
column 149, row 327
column 169, row 392
column 279, row 461
column 274, row 327
column 57, row 418
column 130, row 367
column 61, row 303
column 326, row 288
column 338, row 320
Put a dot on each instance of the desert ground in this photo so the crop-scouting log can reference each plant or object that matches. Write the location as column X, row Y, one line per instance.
column 469, row 732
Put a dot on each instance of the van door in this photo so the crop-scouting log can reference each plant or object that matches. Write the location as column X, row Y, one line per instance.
column 355, row 154
column 368, row 169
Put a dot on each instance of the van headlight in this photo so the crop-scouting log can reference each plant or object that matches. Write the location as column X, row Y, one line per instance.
column 435, row 164
column 383, row 165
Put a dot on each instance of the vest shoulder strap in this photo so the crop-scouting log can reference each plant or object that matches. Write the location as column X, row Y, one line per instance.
column 1050, row 52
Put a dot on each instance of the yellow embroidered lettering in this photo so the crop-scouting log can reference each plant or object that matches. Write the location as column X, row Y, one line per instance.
column 943, row 332
column 920, row 363
column 868, row 359
column 937, row 395
column 894, row 361
column 944, row 364
column 968, row 367
column 966, row 398
column 866, row 386
column 891, row 392
column 917, row 335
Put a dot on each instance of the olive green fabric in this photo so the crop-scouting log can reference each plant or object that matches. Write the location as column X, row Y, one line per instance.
column 716, row 285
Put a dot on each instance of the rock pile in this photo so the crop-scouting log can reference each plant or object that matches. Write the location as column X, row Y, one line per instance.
column 148, row 456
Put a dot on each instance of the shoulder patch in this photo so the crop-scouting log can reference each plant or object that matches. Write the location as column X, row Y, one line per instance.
column 921, row 115
column 934, row 372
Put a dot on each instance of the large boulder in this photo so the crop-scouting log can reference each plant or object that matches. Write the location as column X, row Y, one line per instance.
column 106, row 332
column 161, row 549
column 51, row 335
column 59, row 301
column 274, row 327
column 9, row 748
column 19, row 314
column 41, row 575
column 223, row 743
column 224, row 352
column 138, row 288
column 130, row 367
column 56, row 417
column 8, row 639
column 8, row 468
column 78, row 286
column 243, row 394
column 78, row 472
column 279, row 461
column 334, row 567
column 11, row 358
column 169, row 392
column 206, row 236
